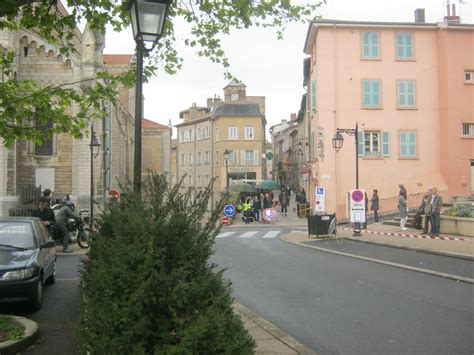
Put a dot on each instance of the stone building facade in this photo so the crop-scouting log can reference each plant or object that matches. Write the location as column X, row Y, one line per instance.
column 156, row 149
column 64, row 164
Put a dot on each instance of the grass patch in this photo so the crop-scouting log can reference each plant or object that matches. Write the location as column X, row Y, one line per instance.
column 10, row 329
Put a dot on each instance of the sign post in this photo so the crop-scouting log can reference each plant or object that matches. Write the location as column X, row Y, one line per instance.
column 357, row 209
column 320, row 199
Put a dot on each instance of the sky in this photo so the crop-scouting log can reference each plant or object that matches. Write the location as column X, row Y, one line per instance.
column 267, row 66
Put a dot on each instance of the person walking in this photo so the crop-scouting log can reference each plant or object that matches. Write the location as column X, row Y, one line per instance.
column 257, row 206
column 403, row 191
column 374, row 205
column 435, row 208
column 284, row 200
column 427, row 209
column 402, row 208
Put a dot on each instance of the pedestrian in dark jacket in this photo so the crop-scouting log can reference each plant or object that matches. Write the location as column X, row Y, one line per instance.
column 374, row 204
column 257, row 206
column 44, row 212
column 284, row 201
column 421, row 210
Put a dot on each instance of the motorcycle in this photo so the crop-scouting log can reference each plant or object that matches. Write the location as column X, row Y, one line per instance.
column 78, row 231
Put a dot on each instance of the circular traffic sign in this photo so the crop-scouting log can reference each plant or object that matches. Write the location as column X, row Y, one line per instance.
column 357, row 195
column 229, row 210
column 225, row 221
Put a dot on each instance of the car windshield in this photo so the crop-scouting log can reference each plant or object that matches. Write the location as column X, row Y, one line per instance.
column 16, row 235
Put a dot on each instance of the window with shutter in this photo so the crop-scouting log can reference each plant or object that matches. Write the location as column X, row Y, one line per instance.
column 406, row 93
column 371, row 95
column 407, row 144
column 385, row 143
column 404, row 45
column 370, row 45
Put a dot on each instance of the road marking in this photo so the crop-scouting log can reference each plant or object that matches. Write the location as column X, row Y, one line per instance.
column 271, row 234
column 225, row 234
column 248, row 234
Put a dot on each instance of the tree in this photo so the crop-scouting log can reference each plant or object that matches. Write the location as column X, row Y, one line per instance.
column 208, row 20
column 149, row 287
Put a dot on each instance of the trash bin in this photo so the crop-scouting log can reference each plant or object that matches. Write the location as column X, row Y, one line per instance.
column 320, row 224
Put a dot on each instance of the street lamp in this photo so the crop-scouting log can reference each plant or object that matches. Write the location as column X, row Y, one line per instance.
column 94, row 146
column 226, row 158
column 148, row 18
column 337, row 142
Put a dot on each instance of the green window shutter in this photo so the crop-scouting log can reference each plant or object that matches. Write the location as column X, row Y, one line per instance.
column 366, row 93
column 375, row 93
column 365, row 44
column 408, row 45
column 385, row 143
column 375, row 45
column 360, row 146
column 411, row 93
column 412, row 144
column 313, row 95
column 399, row 45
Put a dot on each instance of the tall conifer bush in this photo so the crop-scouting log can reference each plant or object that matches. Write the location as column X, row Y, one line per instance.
column 149, row 286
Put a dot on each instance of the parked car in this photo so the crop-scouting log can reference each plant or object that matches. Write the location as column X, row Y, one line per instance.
column 27, row 260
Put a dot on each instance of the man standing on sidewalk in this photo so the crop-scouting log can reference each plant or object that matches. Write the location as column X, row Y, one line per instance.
column 435, row 209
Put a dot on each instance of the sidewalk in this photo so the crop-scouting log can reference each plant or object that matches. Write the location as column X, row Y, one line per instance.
column 412, row 239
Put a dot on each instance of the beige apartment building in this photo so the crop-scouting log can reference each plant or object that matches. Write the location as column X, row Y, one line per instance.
column 236, row 124
column 156, row 149
column 410, row 88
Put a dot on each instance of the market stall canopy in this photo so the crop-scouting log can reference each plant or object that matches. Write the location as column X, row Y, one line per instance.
column 242, row 187
column 268, row 185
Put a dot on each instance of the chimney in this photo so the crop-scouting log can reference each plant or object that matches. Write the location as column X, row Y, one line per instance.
column 293, row 116
column 209, row 103
column 451, row 18
column 420, row 15
column 193, row 111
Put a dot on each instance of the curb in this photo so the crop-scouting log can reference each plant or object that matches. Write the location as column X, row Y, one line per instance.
column 418, row 250
column 403, row 235
column 29, row 338
column 383, row 262
column 273, row 330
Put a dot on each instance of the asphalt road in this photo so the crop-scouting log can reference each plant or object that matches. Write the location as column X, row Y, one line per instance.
column 339, row 305
column 59, row 316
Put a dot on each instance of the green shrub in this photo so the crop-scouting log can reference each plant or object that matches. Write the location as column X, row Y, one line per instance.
column 461, row 210
column 149, row 286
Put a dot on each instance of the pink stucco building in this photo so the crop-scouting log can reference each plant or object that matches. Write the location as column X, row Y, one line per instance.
column 410, row 88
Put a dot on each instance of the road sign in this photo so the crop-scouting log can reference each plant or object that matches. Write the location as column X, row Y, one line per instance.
column 320, row 199
column 229, row 210
column 357, row 206
column 269, row 155
column 225, row 221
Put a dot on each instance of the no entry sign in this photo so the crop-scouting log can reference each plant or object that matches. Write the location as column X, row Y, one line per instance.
column 225, row 221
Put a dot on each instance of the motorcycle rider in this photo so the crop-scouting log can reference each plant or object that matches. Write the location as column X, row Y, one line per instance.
column 66, row 212
column 44, row 212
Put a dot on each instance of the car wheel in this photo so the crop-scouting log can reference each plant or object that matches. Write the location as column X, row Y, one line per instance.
column 37, row 299
column 52, row 278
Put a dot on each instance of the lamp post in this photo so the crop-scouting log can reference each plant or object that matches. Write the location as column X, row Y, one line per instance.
column 226, row 158
column 337, row 142
column 148, row 18
column 94, row 146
